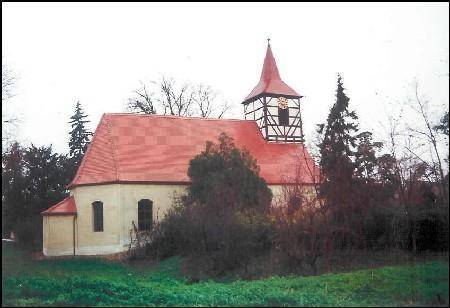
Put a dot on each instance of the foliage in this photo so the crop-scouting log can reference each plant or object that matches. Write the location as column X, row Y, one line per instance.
column 93, row 282
column 443, row 125
column 13, row 187
column 337, row 152
column 79, row 137
column 226, row 173
column 31, row 182
column 222, row 222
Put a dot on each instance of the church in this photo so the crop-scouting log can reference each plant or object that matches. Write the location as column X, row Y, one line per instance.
column 135, row 165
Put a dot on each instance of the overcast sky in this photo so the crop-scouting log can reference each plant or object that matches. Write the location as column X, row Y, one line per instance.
column 98, row 54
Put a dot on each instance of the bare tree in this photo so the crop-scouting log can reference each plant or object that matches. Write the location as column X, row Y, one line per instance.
column 204, row 100
column 143, row 101
column 409, row 166
column 176, row 101
column 427, row 136
column 8, row 119
column 185, row 100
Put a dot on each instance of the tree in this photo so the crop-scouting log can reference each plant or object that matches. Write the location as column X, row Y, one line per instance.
column 79, row 138
column 13, row 188
column 185, row 100
column 443, row 126
column 143, row 102
column 224, row 172
column 427, row 133
column 31, row 183
column 222, row 222
column 8, row 120
column 336, row 152
column 366, row 160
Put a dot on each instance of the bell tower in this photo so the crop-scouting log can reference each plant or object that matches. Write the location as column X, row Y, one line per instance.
column 274, row 105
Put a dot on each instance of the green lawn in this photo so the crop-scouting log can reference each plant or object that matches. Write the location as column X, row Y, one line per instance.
column 92, row 282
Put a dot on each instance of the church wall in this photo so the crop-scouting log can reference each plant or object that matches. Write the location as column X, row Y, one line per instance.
column 120, row 208
column 89, row 242
column 161, row 196
column 277, row 191
column 58, row 235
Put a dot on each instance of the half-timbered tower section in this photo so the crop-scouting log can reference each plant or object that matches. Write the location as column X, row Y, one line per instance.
column 274, row 105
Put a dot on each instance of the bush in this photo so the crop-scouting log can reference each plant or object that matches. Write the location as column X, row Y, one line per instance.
column 222, row 221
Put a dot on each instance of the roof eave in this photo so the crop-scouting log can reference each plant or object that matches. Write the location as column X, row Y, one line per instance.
column 254, row 98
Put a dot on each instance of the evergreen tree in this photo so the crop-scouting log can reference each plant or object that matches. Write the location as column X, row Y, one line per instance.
column 79, row 138
column 337, row 151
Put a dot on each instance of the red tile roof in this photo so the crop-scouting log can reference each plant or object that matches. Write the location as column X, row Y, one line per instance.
column 135, row 148
column 270, row 81
column 65, row 207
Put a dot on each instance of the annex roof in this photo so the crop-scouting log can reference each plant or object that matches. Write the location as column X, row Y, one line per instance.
column 137, row 148
column 270, row 81
column 65, row 207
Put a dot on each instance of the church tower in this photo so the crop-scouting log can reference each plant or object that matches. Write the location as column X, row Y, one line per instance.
column 274, row 105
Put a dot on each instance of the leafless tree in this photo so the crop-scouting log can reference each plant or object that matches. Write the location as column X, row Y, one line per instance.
column 186, row 99
column 176, row 101
column 143, row 101
column 301, row 216
column 8, row 119
column 204, row 100
column 427, row 137
column 409, row 161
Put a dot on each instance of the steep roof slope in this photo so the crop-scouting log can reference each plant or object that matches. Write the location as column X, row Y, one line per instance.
column 134, row 148
column 270, row 81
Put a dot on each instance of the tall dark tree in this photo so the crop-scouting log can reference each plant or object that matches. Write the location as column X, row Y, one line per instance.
column 31, row 182
column 337, row 151
column 366, row 160
column 79, row 138
column 13, row 187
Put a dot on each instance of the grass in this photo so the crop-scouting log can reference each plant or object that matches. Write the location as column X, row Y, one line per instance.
column 96, row 282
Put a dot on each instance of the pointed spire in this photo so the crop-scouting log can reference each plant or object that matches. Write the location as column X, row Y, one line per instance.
column 270, row 81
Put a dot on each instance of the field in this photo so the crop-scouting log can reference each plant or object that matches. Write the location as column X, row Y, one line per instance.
column 95, row 282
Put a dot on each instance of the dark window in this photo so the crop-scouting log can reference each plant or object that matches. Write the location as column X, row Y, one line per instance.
column 283, row 116
column 97, row 209
column 145, row 214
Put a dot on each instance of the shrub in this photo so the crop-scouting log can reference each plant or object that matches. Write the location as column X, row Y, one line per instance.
column 222, row 220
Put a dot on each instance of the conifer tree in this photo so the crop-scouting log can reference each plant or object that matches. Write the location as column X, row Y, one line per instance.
column 79, row 136
column 337, row 151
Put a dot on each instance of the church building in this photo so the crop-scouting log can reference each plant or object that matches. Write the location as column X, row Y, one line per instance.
column 135, row 165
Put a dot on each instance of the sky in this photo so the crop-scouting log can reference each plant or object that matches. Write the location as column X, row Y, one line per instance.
column 98, row 53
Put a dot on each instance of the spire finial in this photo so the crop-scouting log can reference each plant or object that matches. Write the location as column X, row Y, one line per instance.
column 268, row 42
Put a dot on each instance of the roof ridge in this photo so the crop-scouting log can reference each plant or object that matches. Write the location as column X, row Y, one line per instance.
column 172, row 116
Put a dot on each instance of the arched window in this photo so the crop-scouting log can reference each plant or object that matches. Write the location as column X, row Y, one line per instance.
column 97, row 214
column 145, row 214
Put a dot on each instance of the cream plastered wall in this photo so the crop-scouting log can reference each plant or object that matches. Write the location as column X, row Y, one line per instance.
column 57, row 235
column 277, row 191
column 120, row 208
